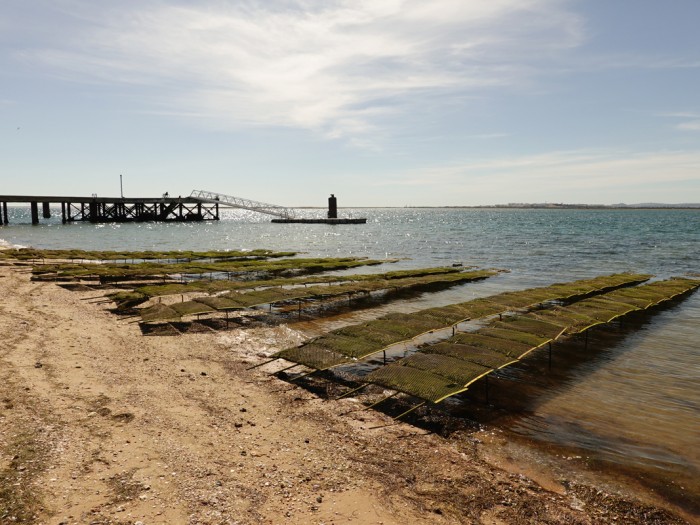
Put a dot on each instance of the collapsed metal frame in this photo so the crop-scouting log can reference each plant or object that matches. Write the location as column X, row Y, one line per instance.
column 240, row 202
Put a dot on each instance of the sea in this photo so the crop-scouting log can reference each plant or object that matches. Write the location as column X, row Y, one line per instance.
column 629, row 401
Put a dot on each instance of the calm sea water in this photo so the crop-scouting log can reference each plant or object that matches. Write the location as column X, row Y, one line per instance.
column 631, row 400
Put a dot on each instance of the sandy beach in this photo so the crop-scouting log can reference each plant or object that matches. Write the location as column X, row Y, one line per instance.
column 102, row 425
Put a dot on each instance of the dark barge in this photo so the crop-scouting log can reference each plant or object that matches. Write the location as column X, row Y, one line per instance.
column 331, row 219
column 321, row 221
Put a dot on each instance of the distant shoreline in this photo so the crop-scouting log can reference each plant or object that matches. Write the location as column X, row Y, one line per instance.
column 577, row 207
column 525, row 207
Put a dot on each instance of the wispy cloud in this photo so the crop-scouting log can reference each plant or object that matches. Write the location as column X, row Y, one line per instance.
column 691, row 119
column 678, row 114
column 691, row 125
column 337, row 67
column 639, row 61
column 488, row 136
column 533, row 178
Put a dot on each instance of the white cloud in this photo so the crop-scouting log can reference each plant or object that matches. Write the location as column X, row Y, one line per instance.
column 572, row 174
column 488, row 136
column 678, row 114
column 691, row 125
column 692, row 119
column 337, row 67
column 619, row 61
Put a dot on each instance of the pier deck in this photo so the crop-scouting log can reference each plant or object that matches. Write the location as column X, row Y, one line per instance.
column 115, row 209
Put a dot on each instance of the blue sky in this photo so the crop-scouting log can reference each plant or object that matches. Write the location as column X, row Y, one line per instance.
column 382, row 102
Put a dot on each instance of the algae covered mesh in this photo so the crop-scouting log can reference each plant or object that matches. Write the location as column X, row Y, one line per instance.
column 358, row 341
column 441, row 370
column 217, row 286
column 111, row 272
column 31, row 254
column 273, row 295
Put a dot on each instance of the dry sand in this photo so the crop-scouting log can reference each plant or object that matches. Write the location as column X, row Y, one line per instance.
column 100, row 424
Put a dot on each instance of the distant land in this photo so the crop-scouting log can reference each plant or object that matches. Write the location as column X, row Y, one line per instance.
column 548, row 205
column 545, row 205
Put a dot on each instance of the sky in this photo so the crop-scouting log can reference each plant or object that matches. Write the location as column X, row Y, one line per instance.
column 380, row 102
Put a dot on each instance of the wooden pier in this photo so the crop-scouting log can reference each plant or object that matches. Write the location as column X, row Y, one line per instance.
column 200, row 205
column 115, row 209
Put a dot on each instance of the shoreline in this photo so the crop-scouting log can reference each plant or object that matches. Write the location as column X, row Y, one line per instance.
column 101, row 423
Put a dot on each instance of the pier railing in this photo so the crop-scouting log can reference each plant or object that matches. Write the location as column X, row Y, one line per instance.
column 246, row 204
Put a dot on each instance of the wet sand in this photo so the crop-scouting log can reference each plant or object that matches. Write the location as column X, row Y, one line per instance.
column 100, row 424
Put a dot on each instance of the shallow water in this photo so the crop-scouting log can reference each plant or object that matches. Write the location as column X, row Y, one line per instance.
column 631, row 399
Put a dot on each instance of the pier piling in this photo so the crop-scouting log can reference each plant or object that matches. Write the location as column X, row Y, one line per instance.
column 34, row 206
column 4, row 218
column 47, row 210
